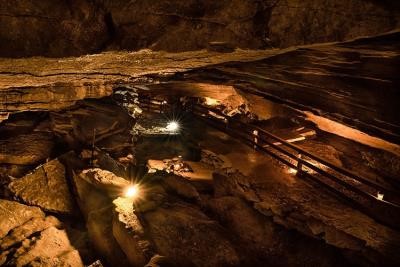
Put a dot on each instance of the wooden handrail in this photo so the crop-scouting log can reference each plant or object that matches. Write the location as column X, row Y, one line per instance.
column 304, row 153
column 222, row 122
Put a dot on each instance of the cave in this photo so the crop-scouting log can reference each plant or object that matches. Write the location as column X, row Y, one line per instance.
column 200, row 133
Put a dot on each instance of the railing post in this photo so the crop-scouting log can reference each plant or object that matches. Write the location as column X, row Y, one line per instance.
column 255, row 139
column 299, row 163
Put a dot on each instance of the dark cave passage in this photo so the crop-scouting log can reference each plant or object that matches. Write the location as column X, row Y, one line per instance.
column 199, row 133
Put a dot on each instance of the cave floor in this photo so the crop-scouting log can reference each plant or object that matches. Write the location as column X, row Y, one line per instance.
column 294, row 202
column 275, row 191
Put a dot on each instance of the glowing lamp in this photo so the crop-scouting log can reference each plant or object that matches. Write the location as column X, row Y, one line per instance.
column 172, row 126
column 379, row 196
column 132, row 191
column 211, row 101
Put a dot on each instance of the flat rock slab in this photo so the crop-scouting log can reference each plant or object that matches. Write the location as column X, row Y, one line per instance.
column 14, row 214
column 29, row 238
column 46, row 187
column 184, row 234
column 174, row 230
column 57, row 83
column 52, row 248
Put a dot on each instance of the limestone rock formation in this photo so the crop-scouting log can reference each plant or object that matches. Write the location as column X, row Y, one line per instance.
column 97, row 210
column 256, row 234
column 14, row 214
column 28, row 237
column 82, row 27
column 42, row 84
column 293, row 211
column 174, row 230
column 178, row 233
column 46, row 187
column 296, row 22
column 52, row 248
column 348, row 73
column 52, row 28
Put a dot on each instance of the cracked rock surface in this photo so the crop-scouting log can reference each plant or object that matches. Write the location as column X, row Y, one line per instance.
column 46, row 187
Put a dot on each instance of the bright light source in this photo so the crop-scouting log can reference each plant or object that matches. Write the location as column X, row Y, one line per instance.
column 132, row 191
column 211, row 101
column 380, row 196
column 172, row 126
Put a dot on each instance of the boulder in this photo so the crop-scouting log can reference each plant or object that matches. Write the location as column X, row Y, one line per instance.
column 174, row 230
column 181, row 187
column 99, row 225
column 29, row 238
column 34, row 225
column 130, row 234
column 14, row 214
column 46, row 187
column 178, row 232
column 151, row 198
column 106, row 162
column 51, row 248
column 97, row 209
column 265, row 243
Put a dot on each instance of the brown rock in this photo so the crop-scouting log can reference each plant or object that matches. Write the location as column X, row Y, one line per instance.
column 51, row 28
column 130, row 234
column 26, row 149
column 46, row 187
column 232, row 182
column 51, row 249
column 173, row 230
column 97, row 208
column 178, row 233
column 14, row 214
column 105, row 180
column 99, row 225
column 34, row 225
column 181, row 187
column 264, row 243
column 27, row 237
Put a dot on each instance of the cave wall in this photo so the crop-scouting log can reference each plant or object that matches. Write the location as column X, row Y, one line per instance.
column 76, row 27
